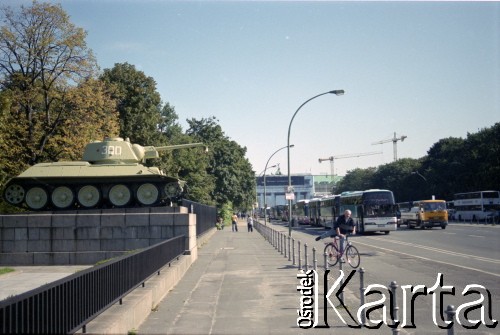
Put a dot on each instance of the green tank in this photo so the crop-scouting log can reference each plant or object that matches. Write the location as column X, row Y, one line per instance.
column 110, row 175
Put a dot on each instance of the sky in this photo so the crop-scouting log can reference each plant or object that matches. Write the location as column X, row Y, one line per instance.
column 424, row 70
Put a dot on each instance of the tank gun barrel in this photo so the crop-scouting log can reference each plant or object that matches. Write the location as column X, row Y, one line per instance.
column 152, row 152
column 181, row 146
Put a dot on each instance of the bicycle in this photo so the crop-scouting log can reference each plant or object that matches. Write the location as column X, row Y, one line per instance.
column 350, row 252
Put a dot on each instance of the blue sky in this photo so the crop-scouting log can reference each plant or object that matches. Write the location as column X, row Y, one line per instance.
column 427, row 70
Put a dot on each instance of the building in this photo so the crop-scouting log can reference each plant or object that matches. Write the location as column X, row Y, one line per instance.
column 306, row 186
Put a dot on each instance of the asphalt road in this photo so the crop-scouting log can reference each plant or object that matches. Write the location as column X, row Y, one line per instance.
column 463, row 254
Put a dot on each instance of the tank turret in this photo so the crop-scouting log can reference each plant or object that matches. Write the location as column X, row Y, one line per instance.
column 110, row 174
column 117, row 150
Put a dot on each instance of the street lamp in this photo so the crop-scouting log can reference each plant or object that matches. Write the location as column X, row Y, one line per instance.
column 290, row 189
column 417, row 173
column 263, row 172
column 265, row 204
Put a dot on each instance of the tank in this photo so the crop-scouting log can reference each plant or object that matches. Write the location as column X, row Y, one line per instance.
column 110, row 175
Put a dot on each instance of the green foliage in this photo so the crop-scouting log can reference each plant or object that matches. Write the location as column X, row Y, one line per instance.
column 42, row 54
column 50, row 104
column 226, row 211
column 6, row 270
column 452, row 165
column 357, row 179
column 139, row 104
column 233, row 174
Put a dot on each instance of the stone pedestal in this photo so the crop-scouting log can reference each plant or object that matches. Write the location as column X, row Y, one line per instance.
column 86, row 237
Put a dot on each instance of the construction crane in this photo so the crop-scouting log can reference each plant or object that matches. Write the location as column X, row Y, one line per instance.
column 394, row 141
column 333, row 158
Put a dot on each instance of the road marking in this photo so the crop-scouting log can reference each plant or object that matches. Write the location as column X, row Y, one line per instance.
column 449, row 233
column 428, row 259
column 476, row 236
column 448, row 252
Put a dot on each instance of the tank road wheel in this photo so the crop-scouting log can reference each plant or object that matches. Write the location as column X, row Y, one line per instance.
column 172, row 190
column 62, row 197
column 14, row 194
column 119, row 195
column 147, row 194
column 89, row 196
column 36, row 198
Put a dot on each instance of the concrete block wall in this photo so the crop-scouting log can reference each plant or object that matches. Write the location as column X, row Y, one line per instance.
column 86, row 237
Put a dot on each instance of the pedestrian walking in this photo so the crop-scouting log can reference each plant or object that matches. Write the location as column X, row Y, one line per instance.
column 250, row 224
column 234, row 222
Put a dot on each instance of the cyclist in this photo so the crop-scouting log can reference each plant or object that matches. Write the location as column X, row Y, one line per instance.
column 343, row 226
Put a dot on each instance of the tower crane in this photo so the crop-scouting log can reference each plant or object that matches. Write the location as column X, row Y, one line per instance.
column 333, row 158
column 394, row 141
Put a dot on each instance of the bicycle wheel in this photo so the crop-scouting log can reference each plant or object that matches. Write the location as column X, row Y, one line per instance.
column 352, row 256
column 332, row 254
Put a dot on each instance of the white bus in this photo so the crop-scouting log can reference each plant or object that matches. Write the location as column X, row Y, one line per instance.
column 300, row 212
column 475, row 206
column 372, row 210
column 329, row 210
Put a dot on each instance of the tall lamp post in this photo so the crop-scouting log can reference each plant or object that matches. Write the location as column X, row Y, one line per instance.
column 290, row 189
column 418, row 173
column 263, row 172
column 265, row 204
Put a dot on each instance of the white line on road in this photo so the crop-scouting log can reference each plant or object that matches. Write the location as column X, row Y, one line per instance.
column 428, row 259
column 448, row 252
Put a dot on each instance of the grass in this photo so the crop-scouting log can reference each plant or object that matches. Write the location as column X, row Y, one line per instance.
column 6, row 270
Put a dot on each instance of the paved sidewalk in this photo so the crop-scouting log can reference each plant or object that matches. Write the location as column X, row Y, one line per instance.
column 26, row 278
column 240, row 284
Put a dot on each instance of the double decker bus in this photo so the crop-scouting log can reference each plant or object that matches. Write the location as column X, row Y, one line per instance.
column 372, row 210
column 476, row 206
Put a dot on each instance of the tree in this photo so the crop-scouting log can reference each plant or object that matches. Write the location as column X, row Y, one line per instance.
column 42, row 54
column 139, row 104
column 445, row 156
column 234, row 178
column 355, row 180
column 452, row 165
column 168, row 125
column 94, row 116
column 401, row 178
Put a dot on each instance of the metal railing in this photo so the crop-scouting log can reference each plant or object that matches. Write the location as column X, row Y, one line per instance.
column 68, row 304
column 206, row 216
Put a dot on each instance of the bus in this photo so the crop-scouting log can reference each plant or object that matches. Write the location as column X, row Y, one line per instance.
column 329, row 210
column 314, row 211
column 372, row 210
column 476, row 206
column 300, row 212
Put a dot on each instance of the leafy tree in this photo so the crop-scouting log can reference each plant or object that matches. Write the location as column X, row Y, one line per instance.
column 94, row 117
column 482, row 151
column 50, row 104
column 444, row 167
column 234, row 178
column 41, row 55
column 396, row 176
column 168, row 125
column 452, row 165
column 356, row 180
column 139, row 104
